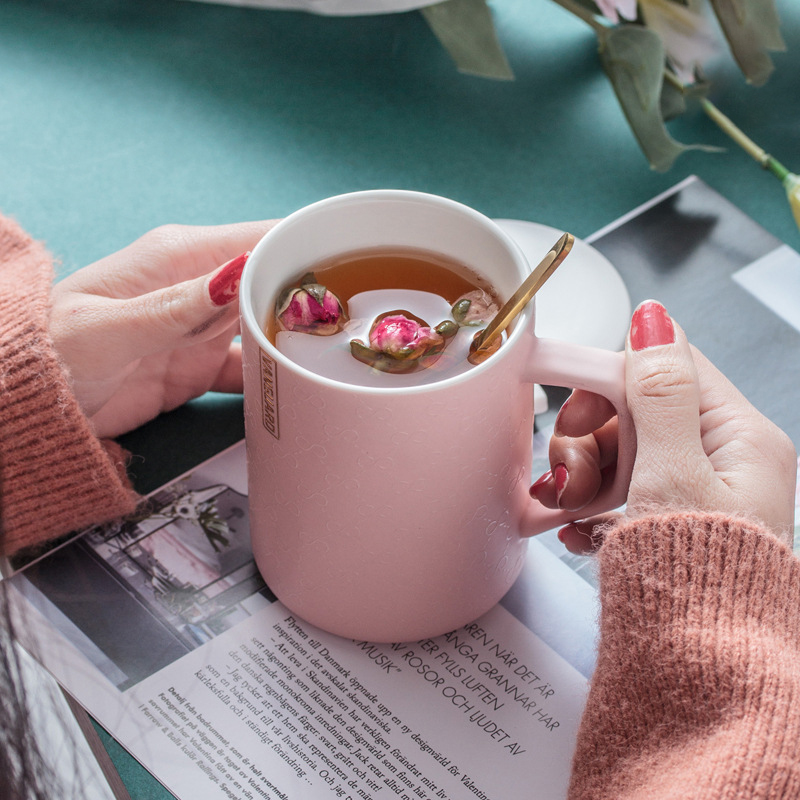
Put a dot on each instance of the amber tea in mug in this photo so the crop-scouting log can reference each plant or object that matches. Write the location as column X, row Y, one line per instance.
column 368, row 283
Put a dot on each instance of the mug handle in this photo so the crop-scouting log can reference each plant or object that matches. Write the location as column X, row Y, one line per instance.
column 557, row 363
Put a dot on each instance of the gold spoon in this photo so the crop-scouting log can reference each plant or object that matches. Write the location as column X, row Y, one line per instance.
column 486, row 341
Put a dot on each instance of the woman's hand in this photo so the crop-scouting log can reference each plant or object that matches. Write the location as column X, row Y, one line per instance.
column 700, row 444
column 152, row 326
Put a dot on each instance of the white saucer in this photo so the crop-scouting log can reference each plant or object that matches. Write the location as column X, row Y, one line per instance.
column 585, row 300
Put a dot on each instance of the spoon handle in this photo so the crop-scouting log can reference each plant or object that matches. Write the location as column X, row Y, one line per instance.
column 546, row 267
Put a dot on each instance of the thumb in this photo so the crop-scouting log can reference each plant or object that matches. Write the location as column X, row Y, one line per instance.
column 663, row 396
column 179, row 315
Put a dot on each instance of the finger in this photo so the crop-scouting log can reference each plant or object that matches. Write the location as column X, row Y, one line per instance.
column 575, row 477
column 165, row 256
column 585, row 470
column 582, row 413
column 577, row 471
column 579, row 468
column 587, row 536
column 230, row 379
column 177, row 316
column 735, row 434
column 663, row 396
column 544, row 490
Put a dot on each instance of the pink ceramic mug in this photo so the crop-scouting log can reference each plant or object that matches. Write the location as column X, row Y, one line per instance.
column 393, row 514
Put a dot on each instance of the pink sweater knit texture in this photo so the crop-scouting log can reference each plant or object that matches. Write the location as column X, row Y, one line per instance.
column 696, row 694
column 55, row 476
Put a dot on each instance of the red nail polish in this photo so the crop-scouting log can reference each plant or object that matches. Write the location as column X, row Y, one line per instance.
column 540, row 481
column 561, row 476
column 651, row 326
column 223, row 287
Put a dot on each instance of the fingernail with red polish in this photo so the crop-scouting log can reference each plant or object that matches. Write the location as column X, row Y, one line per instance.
column 651, row 326
column 541, row 481
column 223, row 287
column 561, row 476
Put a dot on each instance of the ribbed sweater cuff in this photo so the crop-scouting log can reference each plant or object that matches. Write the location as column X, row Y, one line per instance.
column 697, row 687
column 55, row 475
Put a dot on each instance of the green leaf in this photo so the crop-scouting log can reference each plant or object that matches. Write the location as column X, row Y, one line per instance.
column 633, row 58
column 466, row 30
column 672, row 102
column 673, row 99
column 752, row 28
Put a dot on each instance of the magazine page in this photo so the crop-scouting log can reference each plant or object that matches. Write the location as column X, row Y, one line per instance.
column 161, row 626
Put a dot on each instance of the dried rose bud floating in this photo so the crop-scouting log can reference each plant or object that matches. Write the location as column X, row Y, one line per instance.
column 310, row 308
column 474, row 308
column 402, row 342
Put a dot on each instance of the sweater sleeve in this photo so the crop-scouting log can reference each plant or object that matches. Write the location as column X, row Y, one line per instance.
column 55, row 475
column 696, row 692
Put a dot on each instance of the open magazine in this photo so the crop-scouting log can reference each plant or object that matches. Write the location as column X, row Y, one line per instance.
column 162, row 628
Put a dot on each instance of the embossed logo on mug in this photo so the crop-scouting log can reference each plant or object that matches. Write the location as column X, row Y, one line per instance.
column 269, row 394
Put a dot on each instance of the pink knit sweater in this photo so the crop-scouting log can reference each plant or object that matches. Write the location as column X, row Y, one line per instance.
column 697, row 688
column 55, row 476
column 696, row 693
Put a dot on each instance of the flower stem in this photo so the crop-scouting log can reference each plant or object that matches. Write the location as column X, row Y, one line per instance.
column 745, row 142
column 767, row 161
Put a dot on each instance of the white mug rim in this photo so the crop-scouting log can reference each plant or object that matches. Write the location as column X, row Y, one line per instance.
column 255, row 330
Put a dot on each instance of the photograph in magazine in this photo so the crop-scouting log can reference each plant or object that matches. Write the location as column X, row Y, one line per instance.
column 175, row 574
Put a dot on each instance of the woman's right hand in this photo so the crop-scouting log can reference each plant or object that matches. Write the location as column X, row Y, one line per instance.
column 701, row 446
column 151, row 326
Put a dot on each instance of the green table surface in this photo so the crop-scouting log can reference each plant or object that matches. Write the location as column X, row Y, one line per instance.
column 119, row 115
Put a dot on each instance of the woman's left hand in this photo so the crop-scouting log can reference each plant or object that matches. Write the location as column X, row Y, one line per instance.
column 148, row 328
column 701, row 446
